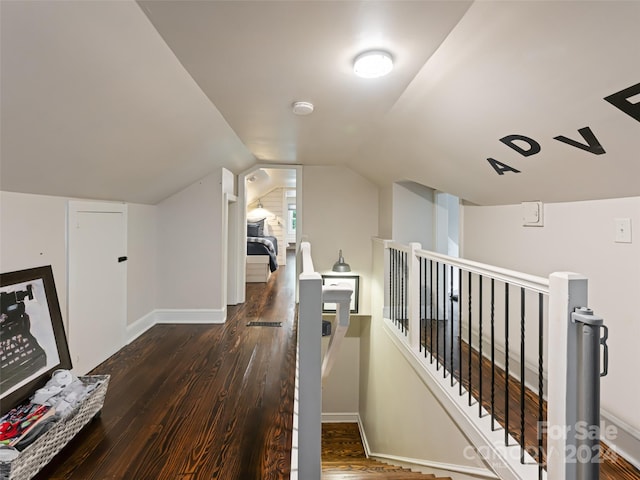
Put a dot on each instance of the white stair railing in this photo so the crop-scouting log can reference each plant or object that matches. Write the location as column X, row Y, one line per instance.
column 307, row 461
column 426, row 291
column 340, row 294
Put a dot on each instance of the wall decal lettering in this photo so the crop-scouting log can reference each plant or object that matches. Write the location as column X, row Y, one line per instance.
column 593, row 145
column 500, row 167
column 621, row 100
column 534, row 147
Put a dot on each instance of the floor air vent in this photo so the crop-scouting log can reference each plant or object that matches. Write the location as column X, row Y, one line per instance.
column 264, row 324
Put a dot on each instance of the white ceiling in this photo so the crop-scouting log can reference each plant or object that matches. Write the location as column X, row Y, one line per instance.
column 133, row 101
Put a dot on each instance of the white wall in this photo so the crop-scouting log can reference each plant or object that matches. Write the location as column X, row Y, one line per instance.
column 413, row 213
column 578, row 237
column 385, row 212
column 33, row 232
column 190, row 269
column 340, row 211
column 340, row 390
column 392, row 394
column 142, row 260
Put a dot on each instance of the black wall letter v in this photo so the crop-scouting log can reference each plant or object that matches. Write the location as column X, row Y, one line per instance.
column 593, row 145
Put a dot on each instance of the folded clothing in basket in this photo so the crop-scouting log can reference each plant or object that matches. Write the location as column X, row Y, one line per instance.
column 63, row 392
column 56, row 400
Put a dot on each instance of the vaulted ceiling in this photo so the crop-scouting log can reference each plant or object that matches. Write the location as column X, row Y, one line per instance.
column 496, row 102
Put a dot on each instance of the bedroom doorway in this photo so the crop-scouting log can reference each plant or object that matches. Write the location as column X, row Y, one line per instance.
column 269, row 203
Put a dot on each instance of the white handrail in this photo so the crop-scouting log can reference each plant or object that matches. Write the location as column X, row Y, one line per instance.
column 531, row 282
column 307, row 261
column 340, row 294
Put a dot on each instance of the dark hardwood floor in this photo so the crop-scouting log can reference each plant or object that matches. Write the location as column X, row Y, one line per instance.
column 190, row 402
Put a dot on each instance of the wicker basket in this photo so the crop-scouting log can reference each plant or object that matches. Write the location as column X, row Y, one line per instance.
column 31, row 460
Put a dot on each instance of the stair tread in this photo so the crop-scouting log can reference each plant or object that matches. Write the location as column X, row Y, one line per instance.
column 329, row 475
column 343, row 458
column 386, row 475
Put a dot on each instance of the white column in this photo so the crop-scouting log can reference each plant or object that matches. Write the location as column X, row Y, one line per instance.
column 413, row 298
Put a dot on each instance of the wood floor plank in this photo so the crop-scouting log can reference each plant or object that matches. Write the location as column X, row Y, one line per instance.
column 194, row 402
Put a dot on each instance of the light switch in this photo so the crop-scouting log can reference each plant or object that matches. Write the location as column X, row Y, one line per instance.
column 532, row 214
column 623, row 230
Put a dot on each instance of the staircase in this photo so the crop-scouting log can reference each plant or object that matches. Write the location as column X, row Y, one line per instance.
column 343, row 458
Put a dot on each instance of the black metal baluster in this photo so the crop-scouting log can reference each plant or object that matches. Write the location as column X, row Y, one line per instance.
column 437, row 315
column 460, row 332
column 493, row 357
column 451, row 324
column 426, row 320
column 522, row 373
column 431, row 310
column 480, row 358
column 393, row 285
column 540, row 379
column 397, row 287
column 470, row 338
column 444, row 320
column 506, row 363
column 420, row 308
column 390, row 283
column 406, row 294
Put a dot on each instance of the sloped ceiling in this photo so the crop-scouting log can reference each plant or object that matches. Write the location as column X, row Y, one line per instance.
column 133, row 101
column 95, row 105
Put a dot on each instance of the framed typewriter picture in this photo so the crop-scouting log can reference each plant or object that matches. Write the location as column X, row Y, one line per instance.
column 32, row 339
column 353, row 280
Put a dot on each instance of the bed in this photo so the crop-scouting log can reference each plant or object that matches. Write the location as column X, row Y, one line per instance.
column 262, row 252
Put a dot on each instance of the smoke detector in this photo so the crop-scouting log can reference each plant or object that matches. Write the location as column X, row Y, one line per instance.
column 302, row 108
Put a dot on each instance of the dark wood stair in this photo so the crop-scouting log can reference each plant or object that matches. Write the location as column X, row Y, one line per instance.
column 343, row 458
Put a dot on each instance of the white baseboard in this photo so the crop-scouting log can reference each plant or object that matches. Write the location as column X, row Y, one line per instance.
column 140, row 326
column 625, row 442
column 457, row 472
column 137, row 328
column 341, row 418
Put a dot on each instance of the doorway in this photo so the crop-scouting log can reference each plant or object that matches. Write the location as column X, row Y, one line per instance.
column 273, row 188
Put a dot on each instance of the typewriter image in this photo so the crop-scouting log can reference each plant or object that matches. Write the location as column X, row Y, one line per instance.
column 20, row 354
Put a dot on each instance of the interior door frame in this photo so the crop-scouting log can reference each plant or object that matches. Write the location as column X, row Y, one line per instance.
column 241, row 232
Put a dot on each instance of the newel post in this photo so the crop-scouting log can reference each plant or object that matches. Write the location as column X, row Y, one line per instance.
column 413, row 297
column 567, row 291
column 310, row 384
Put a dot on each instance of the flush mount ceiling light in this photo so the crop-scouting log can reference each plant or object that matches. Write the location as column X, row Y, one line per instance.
column 373, row 64
column 302, row 108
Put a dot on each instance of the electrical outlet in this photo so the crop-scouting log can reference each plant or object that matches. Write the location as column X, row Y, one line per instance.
column 623, row 230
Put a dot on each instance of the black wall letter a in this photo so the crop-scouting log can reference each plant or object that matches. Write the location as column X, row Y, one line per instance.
column 501, row 167
column 621, row 100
